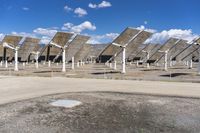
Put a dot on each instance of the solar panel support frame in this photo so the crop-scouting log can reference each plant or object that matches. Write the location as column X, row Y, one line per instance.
column 15, row 49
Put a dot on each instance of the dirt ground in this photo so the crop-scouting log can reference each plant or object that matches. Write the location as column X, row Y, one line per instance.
column 109, row 106
column 179, row 73
column 102, row 112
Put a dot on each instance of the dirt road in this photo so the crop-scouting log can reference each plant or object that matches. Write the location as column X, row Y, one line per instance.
column 20, row 88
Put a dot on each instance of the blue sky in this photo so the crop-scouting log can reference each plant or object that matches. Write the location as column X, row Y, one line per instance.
column 103, row 20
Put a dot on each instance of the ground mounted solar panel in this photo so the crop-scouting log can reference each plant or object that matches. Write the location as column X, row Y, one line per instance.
column 6, row 53
column 50, row 52
column 75, row 46
column 29, row 45
column 158, row 54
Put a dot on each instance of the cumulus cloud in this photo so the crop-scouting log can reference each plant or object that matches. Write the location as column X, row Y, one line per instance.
column 24, row 34
column 106, row 38
column 80, row 12
column 45, row 32
column 103, row 4
column 163, row 36
column 92, row 5
column 25, row 8
column 142, row 27
column 67, row 8
column 79, row 28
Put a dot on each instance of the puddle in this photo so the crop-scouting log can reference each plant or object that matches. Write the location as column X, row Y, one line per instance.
column 66, row 103
column 157, row 102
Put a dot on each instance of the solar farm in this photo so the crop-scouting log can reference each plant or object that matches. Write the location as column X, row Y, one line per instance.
column 128, row 85
column 127, row 57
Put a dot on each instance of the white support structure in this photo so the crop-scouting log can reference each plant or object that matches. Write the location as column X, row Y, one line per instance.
column 137, row 63
column 16, row 60
column 81, row 63
column 110, row 64
column 72, row 63
column 187, row 63
column 49, row 63
column 63, row 61
column 16, row 55
column 6, row 64
column 147, row 58
column 165, row 62
column 78, row 65
column 23, row 64
column 123, row 60
column 190, row 64
column 1, row 64
column 170, row 62
column 36, row 59
column 148, row 66
column 165, row 59
column 115, row 65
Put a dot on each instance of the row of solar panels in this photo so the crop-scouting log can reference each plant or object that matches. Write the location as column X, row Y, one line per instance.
column 75, row 47
column 133, row 40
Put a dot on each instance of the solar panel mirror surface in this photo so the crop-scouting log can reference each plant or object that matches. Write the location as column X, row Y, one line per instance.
column 29, row 45
column 158, row 54
column 12, row 41
column 75, row 46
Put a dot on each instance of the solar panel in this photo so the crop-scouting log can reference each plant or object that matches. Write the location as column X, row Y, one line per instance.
column 190, row 53
column 177, row 49
column 50, row 52
column 133, row 46
column 75, row 46
column 169, row 44
column 82, row 53
column 12, row 41
column 29, row 45
column 186, row 52
column 122, row 39
column 141, row 54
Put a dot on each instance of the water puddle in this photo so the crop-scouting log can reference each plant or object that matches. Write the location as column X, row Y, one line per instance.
column 66, row 103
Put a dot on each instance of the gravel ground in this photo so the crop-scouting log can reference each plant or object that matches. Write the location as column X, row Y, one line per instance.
column 102, row 112
column 100, row 71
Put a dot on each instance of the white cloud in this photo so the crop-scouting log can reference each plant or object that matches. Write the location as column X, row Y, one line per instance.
column 67, row 8
column 145, row 22
column 24, row 34
column 163, row 36
column 80, row 12
column 107, row 38
column 1, row 36
column 103, row 4
column 79, row 28
column 92, row 5
column 45, row 40
column 142, row 27
column 45, row 32
column 25, row 8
